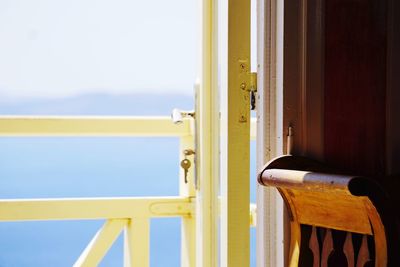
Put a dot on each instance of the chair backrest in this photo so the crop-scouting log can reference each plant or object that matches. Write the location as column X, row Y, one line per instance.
column 333, row 218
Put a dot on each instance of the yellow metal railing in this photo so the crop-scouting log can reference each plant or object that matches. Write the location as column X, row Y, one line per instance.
column 98, row 126
column 94, row 208
column 129, row 214
column 92, row 126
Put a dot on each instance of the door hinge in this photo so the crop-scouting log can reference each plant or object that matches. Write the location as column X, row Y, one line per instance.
column 253, row 89
column 248, row 85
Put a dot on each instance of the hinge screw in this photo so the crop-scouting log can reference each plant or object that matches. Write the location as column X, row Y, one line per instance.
column 243, row 86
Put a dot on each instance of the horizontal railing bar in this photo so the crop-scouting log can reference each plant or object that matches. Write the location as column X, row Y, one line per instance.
column 100, row 208
column 94, row 208
column 98, row 126
column 92, row 126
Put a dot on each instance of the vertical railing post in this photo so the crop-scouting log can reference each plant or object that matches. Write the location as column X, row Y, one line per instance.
column 188, row 228
column 137, row 243
column 207, row 142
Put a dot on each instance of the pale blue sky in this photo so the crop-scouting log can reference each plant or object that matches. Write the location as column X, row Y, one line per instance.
column 52, row 48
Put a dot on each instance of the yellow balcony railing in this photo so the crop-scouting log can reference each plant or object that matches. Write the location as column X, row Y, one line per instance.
column 92, row 126
column 128, row 214
column 131, row 214
column 98, row 126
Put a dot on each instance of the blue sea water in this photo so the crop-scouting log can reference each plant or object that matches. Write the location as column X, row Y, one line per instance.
column 89, row 167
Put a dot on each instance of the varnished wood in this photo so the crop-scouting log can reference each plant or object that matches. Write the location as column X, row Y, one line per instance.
column 354, row 85
column 314, row 246
column 348, row 249
column 363, row 254
column 295, row 240
column 379, row 235
column 295, row 234
column 330, row 201
column 331, row 211
column 327, row 248
column 321, row 199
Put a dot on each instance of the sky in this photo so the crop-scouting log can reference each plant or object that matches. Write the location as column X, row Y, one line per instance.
column 63, row 48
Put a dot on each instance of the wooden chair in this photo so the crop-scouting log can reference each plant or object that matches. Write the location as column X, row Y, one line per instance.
column 334, row 219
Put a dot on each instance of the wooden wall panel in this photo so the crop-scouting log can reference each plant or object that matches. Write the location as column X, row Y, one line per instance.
column 355, row 85
column 393, row 89
column 341, row 92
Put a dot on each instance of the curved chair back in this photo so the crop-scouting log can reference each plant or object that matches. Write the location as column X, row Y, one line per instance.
column 332, row 214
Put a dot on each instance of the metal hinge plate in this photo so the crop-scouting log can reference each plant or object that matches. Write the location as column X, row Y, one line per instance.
column 248, row 85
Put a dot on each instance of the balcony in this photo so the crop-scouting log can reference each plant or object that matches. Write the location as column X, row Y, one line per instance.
column 130, row 215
